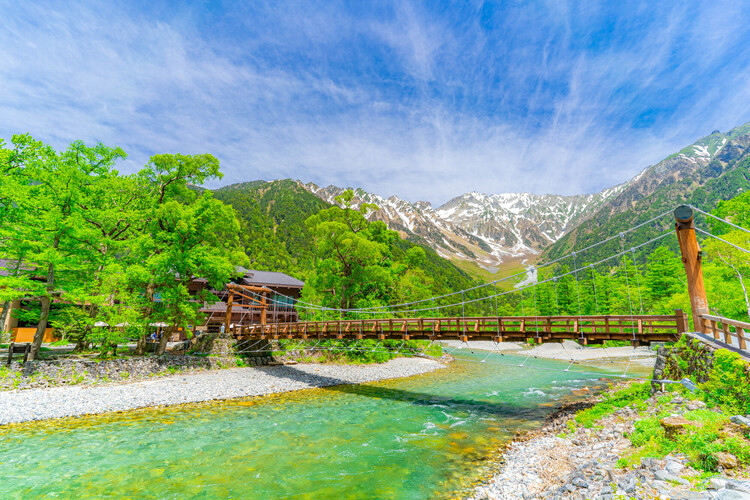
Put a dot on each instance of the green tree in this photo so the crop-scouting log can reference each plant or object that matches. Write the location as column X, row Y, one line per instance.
column 413, row 283
column 187, row 235
column 727, row 269
column 735, row 210
column 353, row 266
column 49, row 193
column 664, row 278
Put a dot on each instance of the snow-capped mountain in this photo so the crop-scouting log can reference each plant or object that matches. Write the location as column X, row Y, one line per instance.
column 484, row 228
column 490, row 228
column 711, row 169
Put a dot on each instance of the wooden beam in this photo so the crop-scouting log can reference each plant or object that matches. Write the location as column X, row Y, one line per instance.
column 264, row 310
column 681, row 326
column 741, row 337
column 228, row 317
column 691, row 259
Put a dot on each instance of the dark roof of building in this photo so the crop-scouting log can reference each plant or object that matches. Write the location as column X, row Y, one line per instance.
column 8, row 266
column 269, row 278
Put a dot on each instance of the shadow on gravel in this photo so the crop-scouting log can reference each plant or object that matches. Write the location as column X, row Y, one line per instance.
column 484, row 408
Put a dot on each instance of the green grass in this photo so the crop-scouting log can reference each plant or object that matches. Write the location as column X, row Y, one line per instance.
column 62, row 342
column 700, row 442
column 506, row 269
column 726, row 393
column 372, row 351
column 612, row 343
column 633, row 394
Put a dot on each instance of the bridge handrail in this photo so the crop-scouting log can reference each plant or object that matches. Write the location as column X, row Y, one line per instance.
column 711, row 323
column 635, row 328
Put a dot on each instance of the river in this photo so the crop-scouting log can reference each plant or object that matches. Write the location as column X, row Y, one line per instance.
column 428, row 436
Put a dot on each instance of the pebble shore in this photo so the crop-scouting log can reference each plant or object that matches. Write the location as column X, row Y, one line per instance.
column 41, row 404
column 554, row 463
column 563, row 351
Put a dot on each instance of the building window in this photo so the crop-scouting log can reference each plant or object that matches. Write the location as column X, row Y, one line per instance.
column 282, row 302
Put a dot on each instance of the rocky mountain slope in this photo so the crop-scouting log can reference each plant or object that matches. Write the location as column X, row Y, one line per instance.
column 490, row 229
column 486, row 229
column 714, row 168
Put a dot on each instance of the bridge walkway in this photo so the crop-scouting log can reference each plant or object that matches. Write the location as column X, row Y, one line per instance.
column 637, row 329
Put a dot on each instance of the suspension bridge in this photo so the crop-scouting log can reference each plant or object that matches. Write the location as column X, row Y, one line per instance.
column 637, row 329
column 419, row 320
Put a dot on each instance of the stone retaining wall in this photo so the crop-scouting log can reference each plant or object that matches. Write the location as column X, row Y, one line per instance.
column 692, row 359
column 38, row 374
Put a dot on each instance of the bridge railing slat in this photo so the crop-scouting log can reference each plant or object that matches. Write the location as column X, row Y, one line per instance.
column 593, row 328
column 711, row 326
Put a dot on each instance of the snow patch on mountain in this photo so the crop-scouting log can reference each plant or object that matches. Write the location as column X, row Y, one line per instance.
column 484, row 228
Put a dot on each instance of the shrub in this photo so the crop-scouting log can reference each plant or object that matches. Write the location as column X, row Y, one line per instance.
column 728, row 383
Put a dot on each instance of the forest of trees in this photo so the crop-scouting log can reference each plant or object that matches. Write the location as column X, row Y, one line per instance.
column 86, row 245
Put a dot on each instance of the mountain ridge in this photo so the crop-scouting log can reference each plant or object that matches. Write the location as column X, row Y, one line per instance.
column 714, row 168
column 492, row 229
column 486, row 229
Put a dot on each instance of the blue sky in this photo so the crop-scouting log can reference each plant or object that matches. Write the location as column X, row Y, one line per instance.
column 425, row 100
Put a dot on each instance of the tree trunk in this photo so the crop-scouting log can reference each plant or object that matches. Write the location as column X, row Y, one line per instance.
column 744, row 290
column 81, row 343
column 140, row 347
column 3, row 318
column 41, row 327
column 742, row 282
column 6, row 306
column 164, row 339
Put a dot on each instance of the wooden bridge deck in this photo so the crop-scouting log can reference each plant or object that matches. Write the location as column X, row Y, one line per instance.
column 639, row 329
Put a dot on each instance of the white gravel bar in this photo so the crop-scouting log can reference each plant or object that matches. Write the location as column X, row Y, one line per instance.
column 564, row 351
column 41, row 404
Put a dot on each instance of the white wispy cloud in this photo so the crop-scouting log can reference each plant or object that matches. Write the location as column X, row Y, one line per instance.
column 401, row 99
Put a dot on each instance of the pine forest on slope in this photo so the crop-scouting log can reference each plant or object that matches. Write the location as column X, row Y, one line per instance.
column 276, row 238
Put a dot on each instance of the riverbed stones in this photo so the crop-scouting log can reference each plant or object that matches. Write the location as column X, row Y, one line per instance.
column 741, row 420
column 591, row 463
column 675, row 425
column 726, row 494
column 56, row 402
column 725, row 460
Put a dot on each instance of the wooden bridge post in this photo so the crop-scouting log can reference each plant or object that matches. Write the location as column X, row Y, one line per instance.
column 691, row 258
column 228, row 317
column 263, row 309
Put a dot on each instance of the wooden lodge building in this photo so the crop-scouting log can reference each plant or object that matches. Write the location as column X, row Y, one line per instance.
column 256, row 297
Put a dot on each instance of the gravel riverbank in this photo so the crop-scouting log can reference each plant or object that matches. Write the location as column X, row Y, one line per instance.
column 563, row 351
column 557, row 463
column 57, row 402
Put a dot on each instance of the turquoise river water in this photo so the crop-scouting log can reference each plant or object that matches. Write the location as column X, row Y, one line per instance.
column 428, row 436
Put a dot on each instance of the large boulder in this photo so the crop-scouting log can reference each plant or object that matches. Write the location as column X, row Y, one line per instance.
column 674, row 426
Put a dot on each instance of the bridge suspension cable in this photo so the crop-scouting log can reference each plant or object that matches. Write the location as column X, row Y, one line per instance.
column 382, row 310
column 723, row 240
column 546, row 264
column 720, row 219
